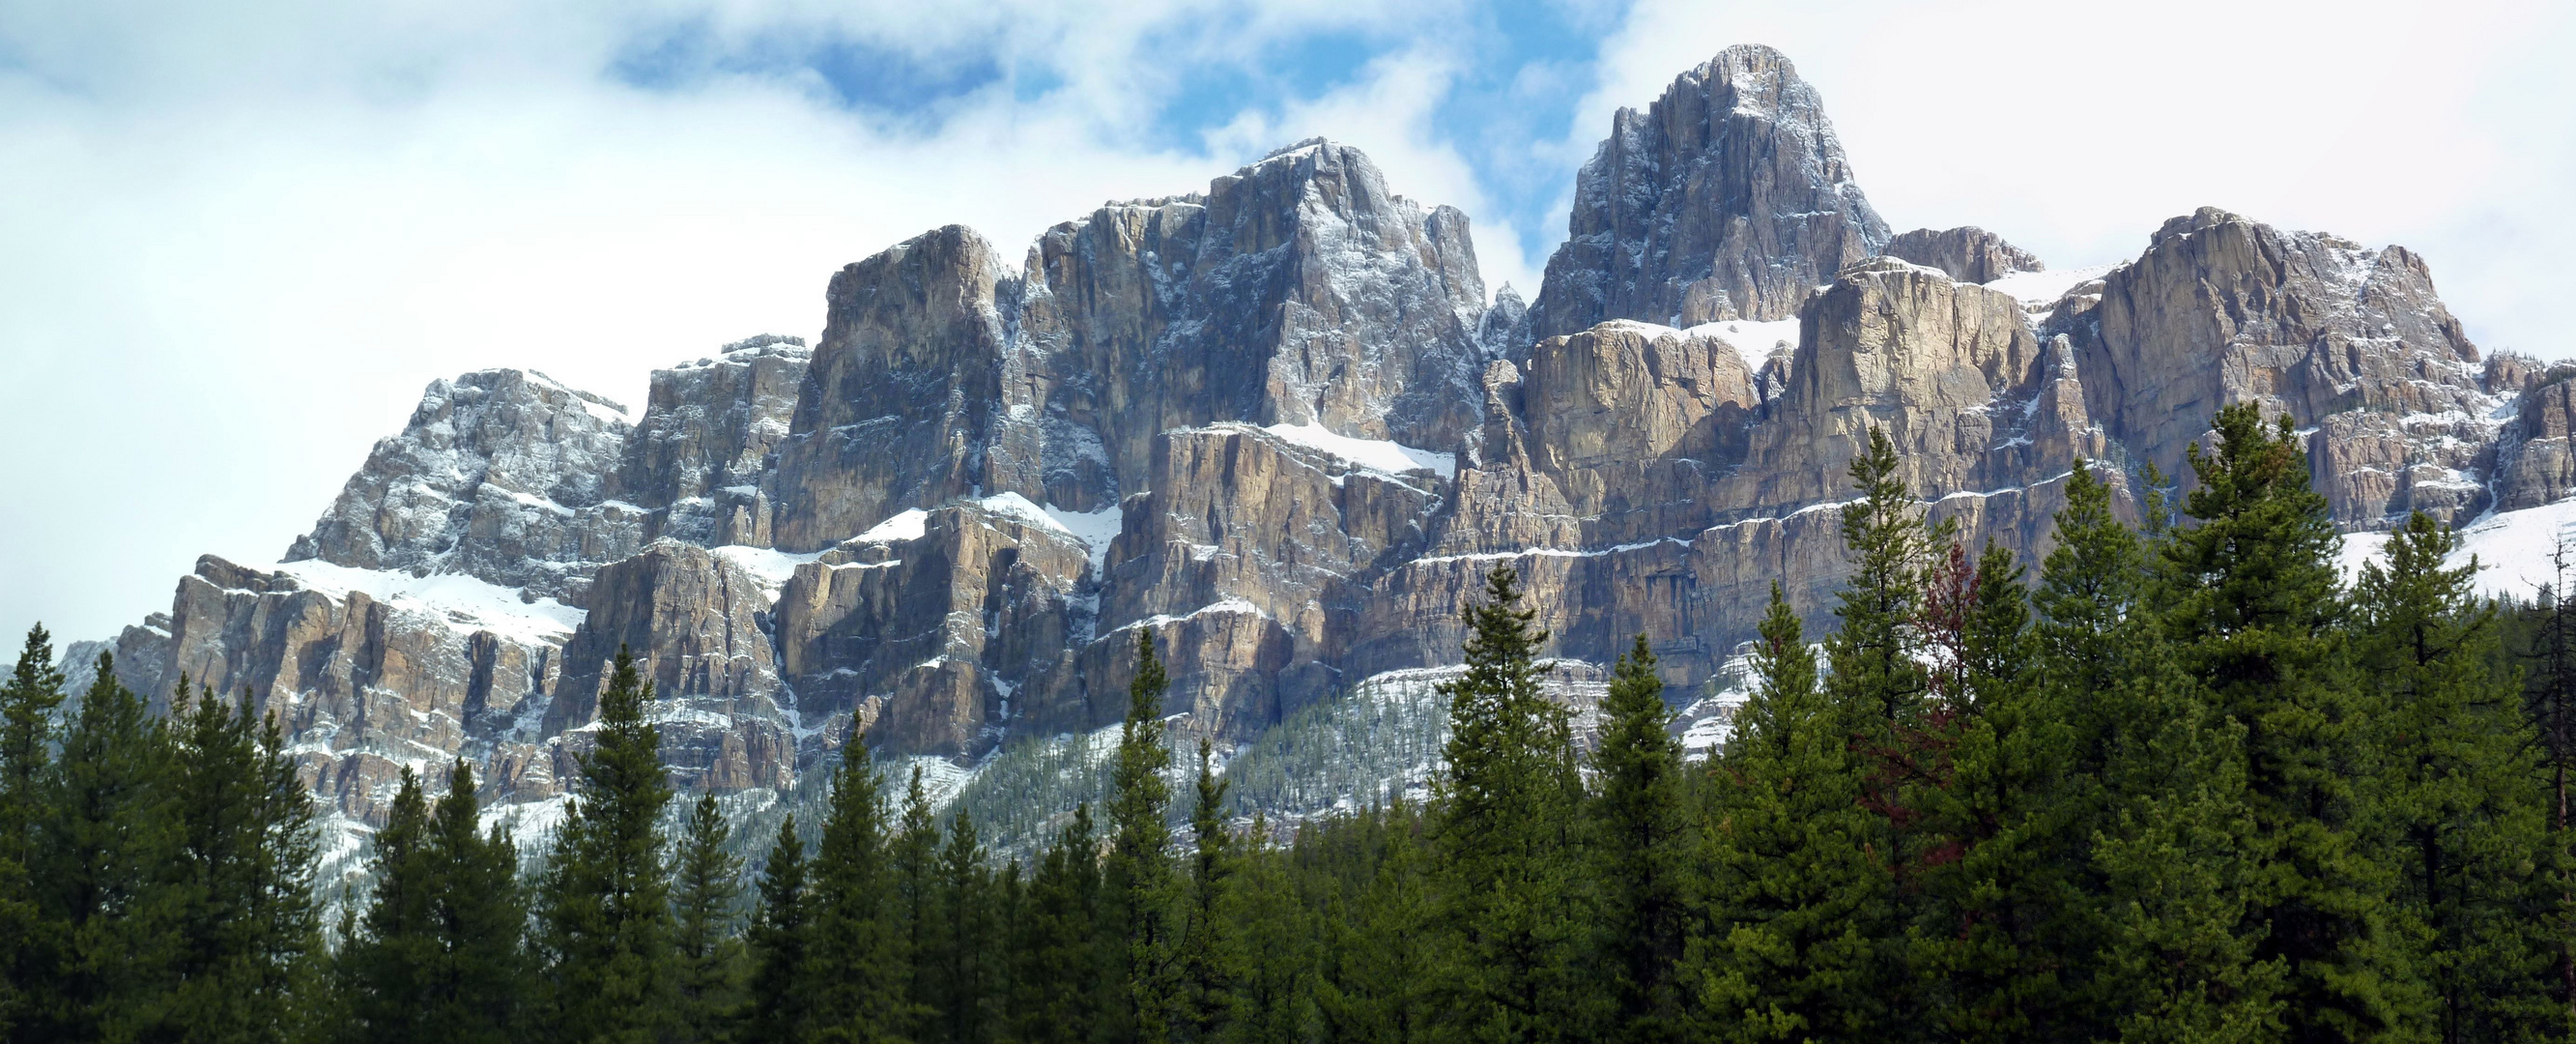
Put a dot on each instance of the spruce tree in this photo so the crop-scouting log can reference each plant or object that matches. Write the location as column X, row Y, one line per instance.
column 1796, row 891
column 1643, row 859
column 605, row 902
column 1273, row 954
column 859, row 970
column 915, row 860
column 781, row 946
column 1055, row 975
column 105, row 847
column 2469, row 829
column 387, row 968
column 1210, row 960
column 1508, row 864
column 1381, row 958
column 965, row 955
column 481, row 979
column 1139, row 941
column 242, row 882
column 27, row 704
column 2257, row 620
column 709, row 949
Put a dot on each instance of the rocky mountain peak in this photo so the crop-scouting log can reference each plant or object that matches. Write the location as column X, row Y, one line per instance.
column 1970, row 254
column 1728, row 198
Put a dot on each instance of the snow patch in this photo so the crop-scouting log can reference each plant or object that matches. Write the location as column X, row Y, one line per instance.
column 466, row 603
column 772, row 567
column 907, row 524
column 1373, row 454
column 1094, row 528
column 2513, row 549
column 2039, row 290
column 1755, row 343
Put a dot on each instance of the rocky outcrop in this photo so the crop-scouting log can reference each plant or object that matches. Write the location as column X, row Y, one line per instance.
column 503, row 475
column 702, row 449
column 1968, row 253
column 1298, row 290
column 923, row 637
column 2352, row 344
column 1728, row 198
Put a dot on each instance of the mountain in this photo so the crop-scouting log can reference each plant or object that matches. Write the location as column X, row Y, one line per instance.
column 1280, row 426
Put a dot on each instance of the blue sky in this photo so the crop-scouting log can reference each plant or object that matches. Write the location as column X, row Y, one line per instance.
column 236, row 240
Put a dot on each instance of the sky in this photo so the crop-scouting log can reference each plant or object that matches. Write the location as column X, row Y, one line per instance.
column 237, row 240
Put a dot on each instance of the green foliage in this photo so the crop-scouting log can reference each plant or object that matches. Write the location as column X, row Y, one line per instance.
column 709, row 945
column 781, row 945
column 1643, row 859
column 1508, row 863
column 858, row 969
column 605, row 900
column 1140, row 938
column 438, row 955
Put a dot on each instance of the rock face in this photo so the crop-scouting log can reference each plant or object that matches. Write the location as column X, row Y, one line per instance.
column 1728, row 198
column 702, row 449
column 2351, row 342
column 1275, row 428
column 1298, row 290
column 1968, row 253
column 503, row 475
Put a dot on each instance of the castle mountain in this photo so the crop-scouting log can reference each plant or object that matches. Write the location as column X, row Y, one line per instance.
column 1282, row 426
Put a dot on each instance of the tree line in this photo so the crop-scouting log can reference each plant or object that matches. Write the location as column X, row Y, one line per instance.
column 2182, row 784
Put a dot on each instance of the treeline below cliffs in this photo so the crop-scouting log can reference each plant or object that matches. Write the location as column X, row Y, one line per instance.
column 2177, row 782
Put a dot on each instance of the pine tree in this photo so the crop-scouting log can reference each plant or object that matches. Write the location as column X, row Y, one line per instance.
column 859, row 969
column 1272, row 956
column 27, row 703
column 1210, row 960
column 709, row 949
column 2549, row 701
column 2257, row 620
column 1643, row 859
column 387, row 967
column 781, row 945
column 605, row 901
column 104, row 849
column 241, row 884
column 1055, row 977
column 2468, row 827
column 481, row 914
column 1506, row 810
column 1139, row 940
column 965, row 957
column 915, row 855
column 1798, row 894
column 1382, row 955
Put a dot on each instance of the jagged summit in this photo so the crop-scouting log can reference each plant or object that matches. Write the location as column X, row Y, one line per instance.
column 1727, row 198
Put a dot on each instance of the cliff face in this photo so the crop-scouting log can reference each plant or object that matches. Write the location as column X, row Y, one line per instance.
column 1728, row 198
column 1276, row 428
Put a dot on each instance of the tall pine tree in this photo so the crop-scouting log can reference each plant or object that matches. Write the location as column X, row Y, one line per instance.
column 781, row 945
column 1509, row 866
column 1641, row 844
column 605, row 902
column 858, row 969
column 1140, row 942
column 108, row 840
column 703, row 914
column 27, row 704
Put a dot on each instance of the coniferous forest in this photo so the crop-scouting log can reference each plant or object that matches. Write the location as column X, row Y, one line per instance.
column 2176, row 782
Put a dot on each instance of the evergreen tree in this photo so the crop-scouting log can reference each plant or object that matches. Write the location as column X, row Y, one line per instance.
column 1798, row 893
column 27, row 703
column 1271, row 957
column 859, row 970
column 1055, row 976
column 104, row 849
column 242, row 887
column 2468, row 827
column 915, row 855
column 605, row 901
column 386, row 967
column 1641, row 843
column 781, row 943
column 964, row 966
column 2549, row 701
column 1507, row 862
column 1382, row 955
column 481, row 980
column 2257, row 620
column 1210, row 960
column 1139, row 941
column 709, row 948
